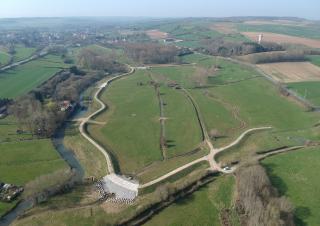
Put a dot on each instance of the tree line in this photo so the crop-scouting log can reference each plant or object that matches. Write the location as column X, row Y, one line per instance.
column 273, row 57
column 225, row 48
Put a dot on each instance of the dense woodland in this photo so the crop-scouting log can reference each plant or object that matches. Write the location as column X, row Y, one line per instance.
column 152, row 53
column 92, row 60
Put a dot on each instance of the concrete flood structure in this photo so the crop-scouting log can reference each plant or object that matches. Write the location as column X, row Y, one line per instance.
column 120, row 188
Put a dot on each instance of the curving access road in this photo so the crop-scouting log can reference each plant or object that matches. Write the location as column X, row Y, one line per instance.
column 84, row 121
column 209, row 158
column 214, row 166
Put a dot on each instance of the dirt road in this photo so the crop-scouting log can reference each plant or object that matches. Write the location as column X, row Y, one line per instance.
column 210, row 158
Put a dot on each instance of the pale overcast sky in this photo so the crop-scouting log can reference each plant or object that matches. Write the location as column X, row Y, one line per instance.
column 160, row 8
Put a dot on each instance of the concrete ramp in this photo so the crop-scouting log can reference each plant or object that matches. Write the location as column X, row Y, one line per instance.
column 121, row 187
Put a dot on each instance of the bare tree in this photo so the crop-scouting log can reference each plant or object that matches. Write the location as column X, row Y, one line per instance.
column 258, row 201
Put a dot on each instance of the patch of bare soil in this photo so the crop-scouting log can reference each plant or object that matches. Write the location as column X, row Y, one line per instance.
column 110, row 207
column 225, row 217
column 281, row 39
column 224, row 28
column 156, row 34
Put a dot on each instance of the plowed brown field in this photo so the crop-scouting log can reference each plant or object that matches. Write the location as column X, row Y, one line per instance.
column 279, row 38
column 292, row 71
column 156, row 34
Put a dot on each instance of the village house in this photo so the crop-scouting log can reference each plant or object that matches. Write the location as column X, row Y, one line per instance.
column 8, row 192
column 66, row 106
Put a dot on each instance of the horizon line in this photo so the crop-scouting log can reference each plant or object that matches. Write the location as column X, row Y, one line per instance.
column 161, row 17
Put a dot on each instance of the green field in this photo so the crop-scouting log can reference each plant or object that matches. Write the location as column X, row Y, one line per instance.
column 194, row 34
column 191, row 34
column 215, row 114
column 22, row 159
column 308, row 90
column 137, row 144
column 24, row 78
column 4, row 58
column 300, row 31
column 161, row 168
column 132, row 131
column 233, row 101
column 182, row 75
column 201, row 208
column 296, row 176
column 182, row 129
column 255, row 105
column 23, row 53
column 314, row 59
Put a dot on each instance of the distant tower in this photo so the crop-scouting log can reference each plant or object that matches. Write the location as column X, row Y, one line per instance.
column 260, row 38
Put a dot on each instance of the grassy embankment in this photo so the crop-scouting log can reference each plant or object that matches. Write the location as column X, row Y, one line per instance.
column 91, row 159
column 205, row 206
